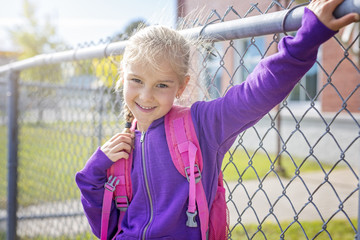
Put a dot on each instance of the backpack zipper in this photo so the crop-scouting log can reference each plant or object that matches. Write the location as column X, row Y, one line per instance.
column 146, row 183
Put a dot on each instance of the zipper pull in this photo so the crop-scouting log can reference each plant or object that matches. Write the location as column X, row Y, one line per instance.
column 142, row 137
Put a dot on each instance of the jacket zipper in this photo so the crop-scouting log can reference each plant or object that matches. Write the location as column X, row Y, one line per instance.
column 146, row 183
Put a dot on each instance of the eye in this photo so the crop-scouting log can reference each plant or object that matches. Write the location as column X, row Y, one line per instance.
column 162, row 85
column 135, row 80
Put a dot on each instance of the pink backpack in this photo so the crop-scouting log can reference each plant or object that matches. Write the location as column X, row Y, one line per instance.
column 186, row 155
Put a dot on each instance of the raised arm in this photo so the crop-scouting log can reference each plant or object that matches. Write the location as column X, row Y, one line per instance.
column 271, row 81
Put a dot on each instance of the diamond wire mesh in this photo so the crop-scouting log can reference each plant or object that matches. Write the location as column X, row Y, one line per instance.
column 69, row 109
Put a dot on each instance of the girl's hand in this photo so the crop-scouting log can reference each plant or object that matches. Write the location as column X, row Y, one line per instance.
column 119, row 146
column 324, row 9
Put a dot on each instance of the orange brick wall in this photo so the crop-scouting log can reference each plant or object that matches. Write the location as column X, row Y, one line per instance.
column 343, row 80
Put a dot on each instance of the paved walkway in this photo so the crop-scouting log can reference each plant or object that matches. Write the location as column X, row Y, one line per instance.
column 56, row 224
column 325, row 203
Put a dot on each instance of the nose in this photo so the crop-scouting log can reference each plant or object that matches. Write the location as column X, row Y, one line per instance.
column 146, row 95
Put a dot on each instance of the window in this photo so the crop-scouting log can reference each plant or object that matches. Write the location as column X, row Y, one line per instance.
column 307, row 88
column 213, row 57
column 247, row 55
column 250, row 51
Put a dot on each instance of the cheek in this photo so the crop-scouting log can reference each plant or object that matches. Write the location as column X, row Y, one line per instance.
column 167, row 98
column 127, row 93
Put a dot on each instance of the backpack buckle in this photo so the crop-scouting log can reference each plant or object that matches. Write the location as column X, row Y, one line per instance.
column 122, row 203
column 191, row 221
column 197, row 173
column 111, row 184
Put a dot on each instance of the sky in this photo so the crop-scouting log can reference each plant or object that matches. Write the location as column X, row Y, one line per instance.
column 80, row 21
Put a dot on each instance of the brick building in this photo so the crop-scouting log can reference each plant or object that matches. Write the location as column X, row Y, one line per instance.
column 336, row 77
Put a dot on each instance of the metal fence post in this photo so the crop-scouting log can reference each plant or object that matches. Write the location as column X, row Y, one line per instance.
column 12, row 112
column 358, row 219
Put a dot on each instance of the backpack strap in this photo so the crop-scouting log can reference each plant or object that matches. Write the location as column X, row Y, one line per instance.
column 187, row 132
column 188, row 151
column 187, row 158
column 106, row 208
column 118, row 188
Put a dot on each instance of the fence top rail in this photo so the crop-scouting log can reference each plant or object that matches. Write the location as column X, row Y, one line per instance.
column 270, row 23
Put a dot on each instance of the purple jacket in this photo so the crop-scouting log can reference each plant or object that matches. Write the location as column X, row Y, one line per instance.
column 160, row 192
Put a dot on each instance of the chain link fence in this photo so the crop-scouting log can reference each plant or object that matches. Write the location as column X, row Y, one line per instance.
column 294, row 175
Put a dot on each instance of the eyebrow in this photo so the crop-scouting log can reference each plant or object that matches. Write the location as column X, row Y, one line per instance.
column 167, row 81
column 134, row 75
column 159, row 80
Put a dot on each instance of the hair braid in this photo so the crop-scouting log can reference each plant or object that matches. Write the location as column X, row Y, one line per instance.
column 129, row 117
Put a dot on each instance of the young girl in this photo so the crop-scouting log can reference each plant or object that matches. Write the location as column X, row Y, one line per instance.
column 154, row 72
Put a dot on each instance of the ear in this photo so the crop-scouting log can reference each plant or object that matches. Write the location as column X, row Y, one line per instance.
column 183, row 86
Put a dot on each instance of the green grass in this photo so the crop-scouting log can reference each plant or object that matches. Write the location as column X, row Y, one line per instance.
column 248, row 166
column 48, row 157
column 337, row 229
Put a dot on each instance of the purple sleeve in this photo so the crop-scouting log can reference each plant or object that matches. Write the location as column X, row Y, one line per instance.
column 218, row 122
column 91, row 180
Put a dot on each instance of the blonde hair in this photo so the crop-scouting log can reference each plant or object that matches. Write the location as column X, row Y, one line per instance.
column 151, row 46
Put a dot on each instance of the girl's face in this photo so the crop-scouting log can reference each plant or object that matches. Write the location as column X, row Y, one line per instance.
column 150, row 94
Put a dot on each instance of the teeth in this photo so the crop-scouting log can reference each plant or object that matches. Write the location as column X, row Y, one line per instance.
column 147, row 108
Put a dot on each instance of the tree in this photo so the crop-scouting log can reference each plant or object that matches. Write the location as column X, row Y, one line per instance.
column 107, row 69
column 32, row 37
column 130, row 29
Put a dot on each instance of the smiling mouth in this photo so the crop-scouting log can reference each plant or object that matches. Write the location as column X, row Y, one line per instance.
column 145, row 108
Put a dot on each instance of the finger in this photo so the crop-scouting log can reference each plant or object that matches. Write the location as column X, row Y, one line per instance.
column 114, row 137
column 117, row 156
column 346, row 20
column 121, row 134
column 122, row 139
column 122, row 147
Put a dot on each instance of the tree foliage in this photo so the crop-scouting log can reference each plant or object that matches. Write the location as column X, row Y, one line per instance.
column 33, row 37
column 107, row 69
